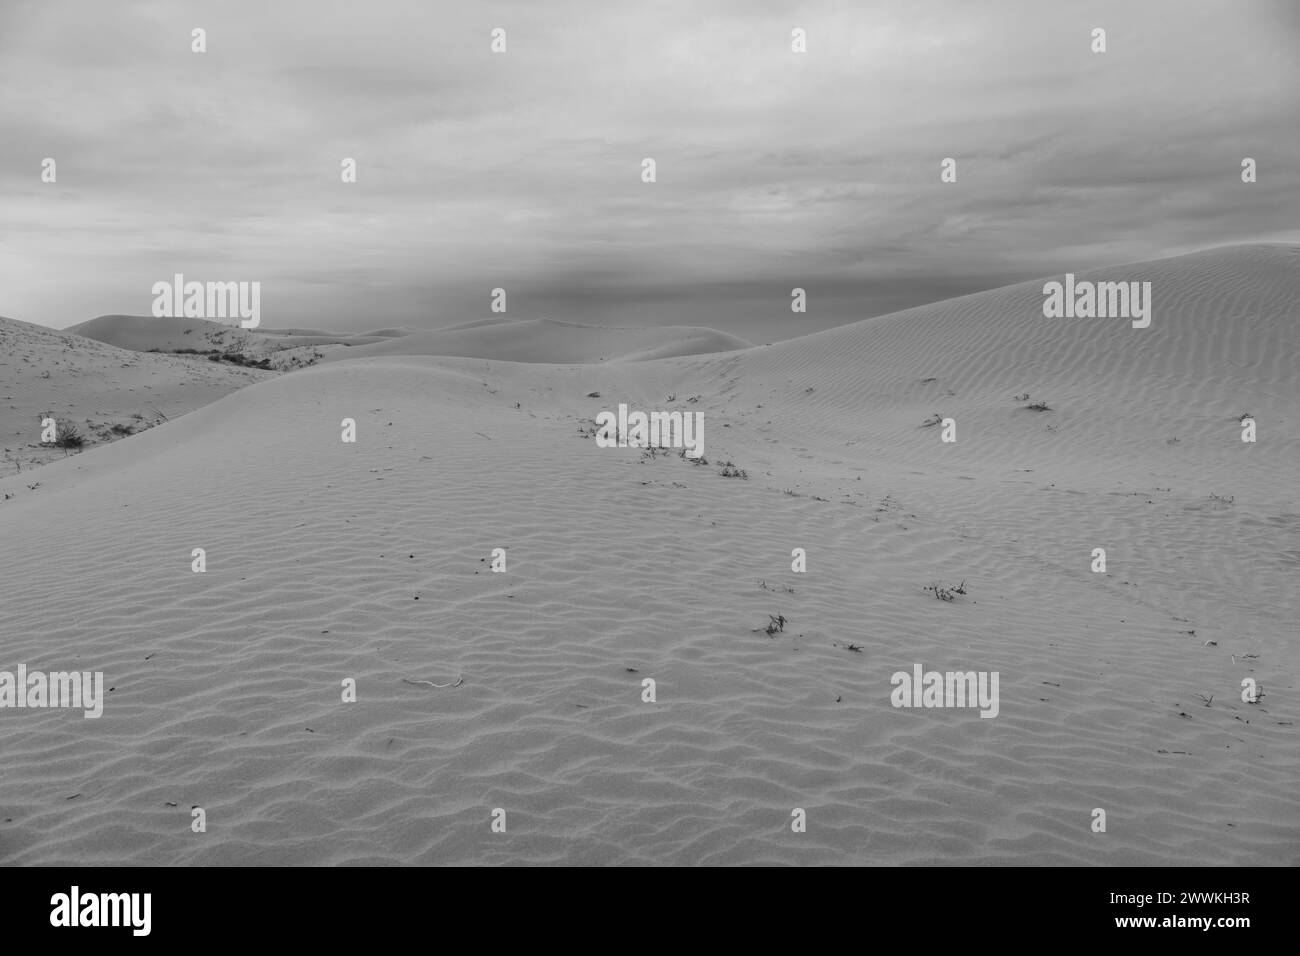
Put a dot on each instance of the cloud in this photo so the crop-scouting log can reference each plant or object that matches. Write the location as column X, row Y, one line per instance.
column 523, row 170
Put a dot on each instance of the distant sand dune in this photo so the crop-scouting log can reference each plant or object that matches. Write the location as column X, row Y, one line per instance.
column 144, row 333
column 95, row 386
column 500, row 338
column 548, row 341
column 624, row 566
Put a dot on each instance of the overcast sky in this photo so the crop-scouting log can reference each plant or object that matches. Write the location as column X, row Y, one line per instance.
column 523, row 169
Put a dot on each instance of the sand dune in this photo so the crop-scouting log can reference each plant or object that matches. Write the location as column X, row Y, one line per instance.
column 547, row 341
column 387, row 333
column 625, row 565
column 499, row 338
column 96, row 387
column 147, row 333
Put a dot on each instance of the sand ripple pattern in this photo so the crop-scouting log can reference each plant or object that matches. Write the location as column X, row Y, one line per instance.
column 226, row 685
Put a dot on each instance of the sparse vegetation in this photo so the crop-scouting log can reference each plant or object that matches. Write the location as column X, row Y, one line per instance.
column 729, row 470
column 948, row 593
column 934, row 419
column 66, row 434
column 1039, row 407
column 237, row 358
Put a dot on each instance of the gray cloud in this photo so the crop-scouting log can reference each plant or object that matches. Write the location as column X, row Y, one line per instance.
column 523, row 170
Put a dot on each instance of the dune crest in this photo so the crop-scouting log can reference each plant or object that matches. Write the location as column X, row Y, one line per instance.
column 550, row 342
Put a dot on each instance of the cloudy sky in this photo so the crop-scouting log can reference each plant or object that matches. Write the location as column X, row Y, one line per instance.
column 523, row 170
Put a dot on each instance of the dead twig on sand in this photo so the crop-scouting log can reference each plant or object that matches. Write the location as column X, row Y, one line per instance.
column 456, row 683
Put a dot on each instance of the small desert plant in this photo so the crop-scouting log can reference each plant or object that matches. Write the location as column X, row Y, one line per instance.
column 729, row 470
column 593, row 394
column 1172, row 441
column 1039, row 407
column 934, row 419
column 120, row 429
column 67, row 435
column 946, row 593
column 776, row 623
column 1223, row 499
column 1022, row 398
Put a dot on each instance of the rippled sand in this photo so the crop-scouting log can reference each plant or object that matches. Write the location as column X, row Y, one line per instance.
column 623, row 566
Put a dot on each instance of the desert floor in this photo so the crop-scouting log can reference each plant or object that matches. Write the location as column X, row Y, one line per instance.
column 328, row 560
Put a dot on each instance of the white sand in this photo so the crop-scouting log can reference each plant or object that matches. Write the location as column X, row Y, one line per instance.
column 316, row 550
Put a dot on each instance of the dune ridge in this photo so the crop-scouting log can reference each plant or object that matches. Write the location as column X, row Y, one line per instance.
column 547, row 341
